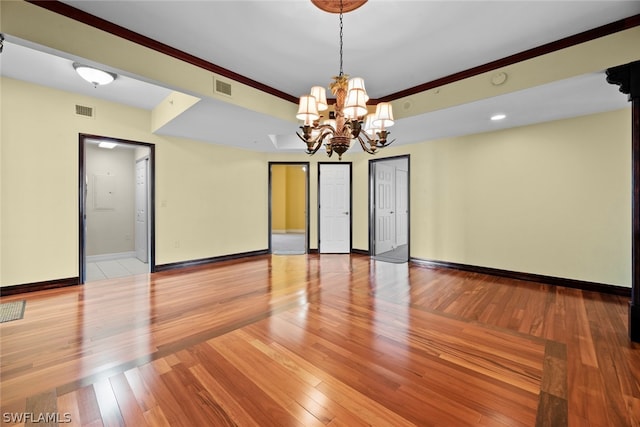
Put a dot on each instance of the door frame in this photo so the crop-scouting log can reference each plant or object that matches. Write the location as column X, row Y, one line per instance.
column 372, row 201
column 306, row 189
column 82, row 200
column 350, row 201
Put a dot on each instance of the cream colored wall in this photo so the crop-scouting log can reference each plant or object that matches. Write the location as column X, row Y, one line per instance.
column 207, row 200
column 551, row 199
column 211, row 200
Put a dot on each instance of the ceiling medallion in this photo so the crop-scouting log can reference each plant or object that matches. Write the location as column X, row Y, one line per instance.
column 333, row 6
column 351, row 120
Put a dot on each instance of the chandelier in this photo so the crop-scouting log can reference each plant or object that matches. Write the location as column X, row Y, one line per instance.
column 350, row 121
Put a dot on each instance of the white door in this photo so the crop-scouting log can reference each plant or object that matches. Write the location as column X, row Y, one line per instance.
column 402, row 207
column 142, row 210
column 335, row 208
column 385, row 199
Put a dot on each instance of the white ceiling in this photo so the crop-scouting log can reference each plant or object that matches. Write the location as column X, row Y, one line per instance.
column 291, row 45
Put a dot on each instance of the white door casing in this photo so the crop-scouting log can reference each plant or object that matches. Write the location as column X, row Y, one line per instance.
column 335, row 208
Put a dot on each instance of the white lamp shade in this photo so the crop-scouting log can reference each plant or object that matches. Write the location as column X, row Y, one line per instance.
column 357, row 83
column 93, row 75
column 356, row 105
column 307, row 109
column 320, row 94
column 384, row 115
column 369, row 128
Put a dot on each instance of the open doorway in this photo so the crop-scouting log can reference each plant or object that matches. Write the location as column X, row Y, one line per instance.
column 389, row 209
column 116, row 208
column 288, row 208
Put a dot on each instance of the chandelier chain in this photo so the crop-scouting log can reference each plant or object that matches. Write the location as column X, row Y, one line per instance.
column 341, row 39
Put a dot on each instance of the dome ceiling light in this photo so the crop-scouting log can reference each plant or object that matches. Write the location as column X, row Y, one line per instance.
column 93, row 75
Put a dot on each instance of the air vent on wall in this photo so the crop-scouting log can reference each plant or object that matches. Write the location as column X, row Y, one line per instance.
column 222, row 88
column 84, row 111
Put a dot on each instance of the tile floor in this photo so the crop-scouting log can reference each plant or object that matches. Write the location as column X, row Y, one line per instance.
column 288, row 244
column 115, row 268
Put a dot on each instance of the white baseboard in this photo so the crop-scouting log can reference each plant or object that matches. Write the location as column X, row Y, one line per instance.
column 110, row 257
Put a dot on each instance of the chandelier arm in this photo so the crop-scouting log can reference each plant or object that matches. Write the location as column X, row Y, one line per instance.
column 317, row 143
column 328, row 127
column 378, row 142
column 328, row 146
column 386, row 144
column 364, row 144
column 321, row 135
column 369, row 140
column 313, row 151
column 301, row 137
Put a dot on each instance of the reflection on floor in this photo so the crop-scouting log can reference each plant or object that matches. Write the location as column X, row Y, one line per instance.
column 111, row 269
column 288, row 244
column 397, row 255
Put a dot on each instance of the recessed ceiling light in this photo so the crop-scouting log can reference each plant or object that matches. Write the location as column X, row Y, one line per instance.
column 497, row 117
column 93, row 75
column 108, row 145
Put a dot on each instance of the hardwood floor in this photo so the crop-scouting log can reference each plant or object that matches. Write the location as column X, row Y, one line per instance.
column 313, row 340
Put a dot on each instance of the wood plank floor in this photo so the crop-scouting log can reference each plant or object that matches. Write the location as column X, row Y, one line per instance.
column 331, row 340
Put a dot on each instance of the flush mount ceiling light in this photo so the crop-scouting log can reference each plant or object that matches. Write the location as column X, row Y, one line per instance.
column 108, row 145
column 497, row 117
column 93, row 75
column 350, row 112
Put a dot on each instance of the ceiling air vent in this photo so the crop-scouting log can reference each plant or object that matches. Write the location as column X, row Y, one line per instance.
column 84, row 111
column 222, row 88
